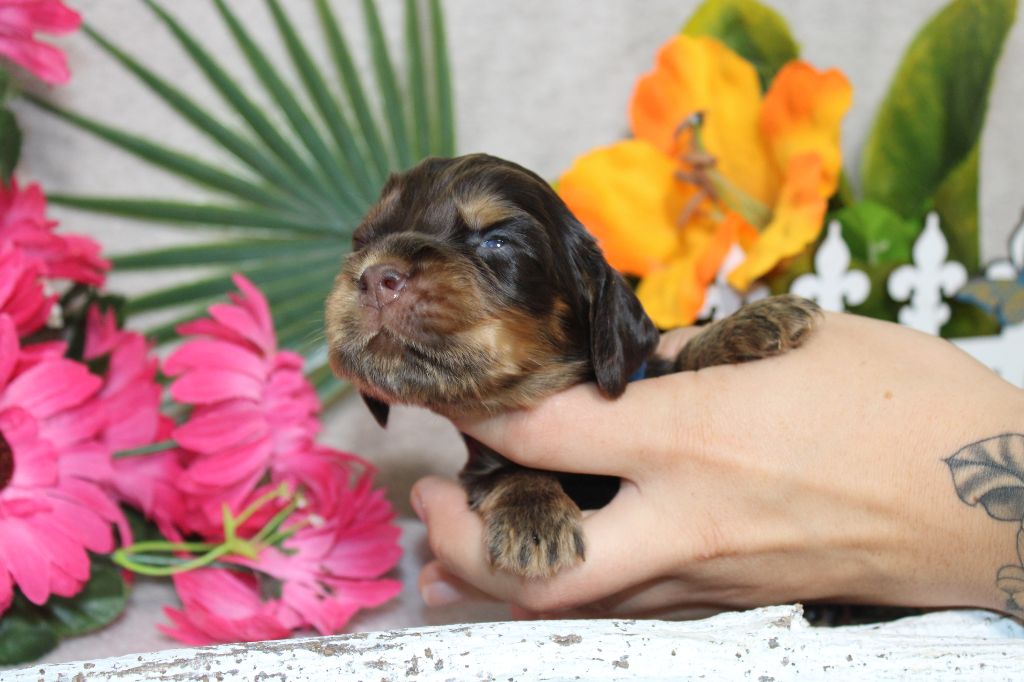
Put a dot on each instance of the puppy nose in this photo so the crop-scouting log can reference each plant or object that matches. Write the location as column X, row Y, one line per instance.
column 382, row 283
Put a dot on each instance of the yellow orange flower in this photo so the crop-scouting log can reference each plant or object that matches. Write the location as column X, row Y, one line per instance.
column 712, row 163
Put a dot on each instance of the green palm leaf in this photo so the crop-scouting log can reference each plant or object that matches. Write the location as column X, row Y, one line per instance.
column 289, row 197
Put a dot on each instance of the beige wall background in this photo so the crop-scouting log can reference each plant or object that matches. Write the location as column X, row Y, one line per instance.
column 537, row 81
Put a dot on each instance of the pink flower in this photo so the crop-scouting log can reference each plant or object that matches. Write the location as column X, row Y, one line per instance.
column 331, row 567
column 52, row 508
column 21, row 291
column 220, row 605
column 340, row 543
column 23, row 224
column 252, row 407
column 20, row 19
column 131, row 398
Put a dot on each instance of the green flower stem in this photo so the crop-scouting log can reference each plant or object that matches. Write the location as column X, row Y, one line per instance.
column 148, row 558
column 756, row 213
column 279, row 518
column 286, row 533
column 279, row 491
column 123, row 557
column 159, row 446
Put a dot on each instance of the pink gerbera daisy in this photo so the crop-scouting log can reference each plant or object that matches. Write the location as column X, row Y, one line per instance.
column 336, row 545
column 19, row 21
column 131, row 398
column 221, row 605
column 331, row 567
column 21, row 291
column 52, row 508
column 252, row 406
column 24, row 225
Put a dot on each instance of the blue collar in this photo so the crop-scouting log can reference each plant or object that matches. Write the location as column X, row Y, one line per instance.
column 640, row 373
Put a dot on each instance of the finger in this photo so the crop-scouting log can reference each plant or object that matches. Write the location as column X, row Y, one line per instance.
column 581, row 431
column 439, row 588
column 613, row 543
column 673, row 341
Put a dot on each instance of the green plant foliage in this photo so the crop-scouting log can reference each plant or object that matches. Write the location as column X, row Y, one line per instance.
column 755, row 32
column 24, row 636
column 28, row 632
column 876, row 234
column 10, row 144
column 102, row 600
column 879, row 240
column 922, row 151
column 10, row 133
column 292, row 194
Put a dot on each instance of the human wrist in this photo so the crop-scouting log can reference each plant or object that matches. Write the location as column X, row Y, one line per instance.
column 963, row 510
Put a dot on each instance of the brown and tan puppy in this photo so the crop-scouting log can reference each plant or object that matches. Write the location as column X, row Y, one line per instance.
column 472, row 290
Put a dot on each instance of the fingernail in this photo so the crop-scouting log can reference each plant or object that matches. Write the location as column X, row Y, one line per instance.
column 440, row 593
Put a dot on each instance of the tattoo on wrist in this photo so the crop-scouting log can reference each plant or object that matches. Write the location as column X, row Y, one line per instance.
column 990, row 472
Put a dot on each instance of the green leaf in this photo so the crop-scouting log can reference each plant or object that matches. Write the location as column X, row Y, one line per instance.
column 226, row 253
column 339, row 183
column 876, row 234
column 318, row 91
column 754, row 31
column 10, row 144
column 189, row 213
column 24, row 636
column 317, row 274
column 956, row 201
column 443, row 99
column 880, row 240
column 180, row 164
column 421, row 129
column 928, row 127
column 353, row 88
column 257, row 120
column 388, row 82
column 102, row 600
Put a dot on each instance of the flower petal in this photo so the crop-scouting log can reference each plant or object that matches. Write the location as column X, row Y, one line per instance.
column 24, row 557
column 212, row 385
column 674, row 294
column 798, row 220
column 50, row 387
column 215, row 353
column 802, row 114
column 41, row 59
column 628, row 198
column 701, row 75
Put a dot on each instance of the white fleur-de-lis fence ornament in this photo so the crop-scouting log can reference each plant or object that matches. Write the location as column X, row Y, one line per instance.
column 721, row 300
column 832, row 284
column 924, row 283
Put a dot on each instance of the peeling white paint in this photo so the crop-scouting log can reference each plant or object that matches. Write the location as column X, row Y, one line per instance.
column 770, row 644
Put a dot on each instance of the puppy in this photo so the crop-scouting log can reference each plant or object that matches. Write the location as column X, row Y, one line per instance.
column 472, row 290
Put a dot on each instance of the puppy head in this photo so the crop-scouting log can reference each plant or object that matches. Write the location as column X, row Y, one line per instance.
column 471, row 289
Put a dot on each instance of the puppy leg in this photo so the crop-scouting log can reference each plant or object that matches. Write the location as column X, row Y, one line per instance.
column 761, row 329
column 531, row 526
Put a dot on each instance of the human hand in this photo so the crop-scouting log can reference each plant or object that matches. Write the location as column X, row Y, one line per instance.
column 816, row 475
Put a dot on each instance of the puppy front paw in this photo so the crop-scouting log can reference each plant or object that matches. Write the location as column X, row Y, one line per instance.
column 532, row 528
column 765, row 328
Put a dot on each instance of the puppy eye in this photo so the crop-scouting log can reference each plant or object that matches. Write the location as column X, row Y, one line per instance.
column 493, row 243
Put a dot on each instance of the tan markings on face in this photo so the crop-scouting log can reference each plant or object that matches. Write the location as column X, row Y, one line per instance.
column 529, row 361
column 483, row 210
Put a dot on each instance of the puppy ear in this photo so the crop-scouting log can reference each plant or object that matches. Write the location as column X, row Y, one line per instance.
column 378, row 408
column 622, row 337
